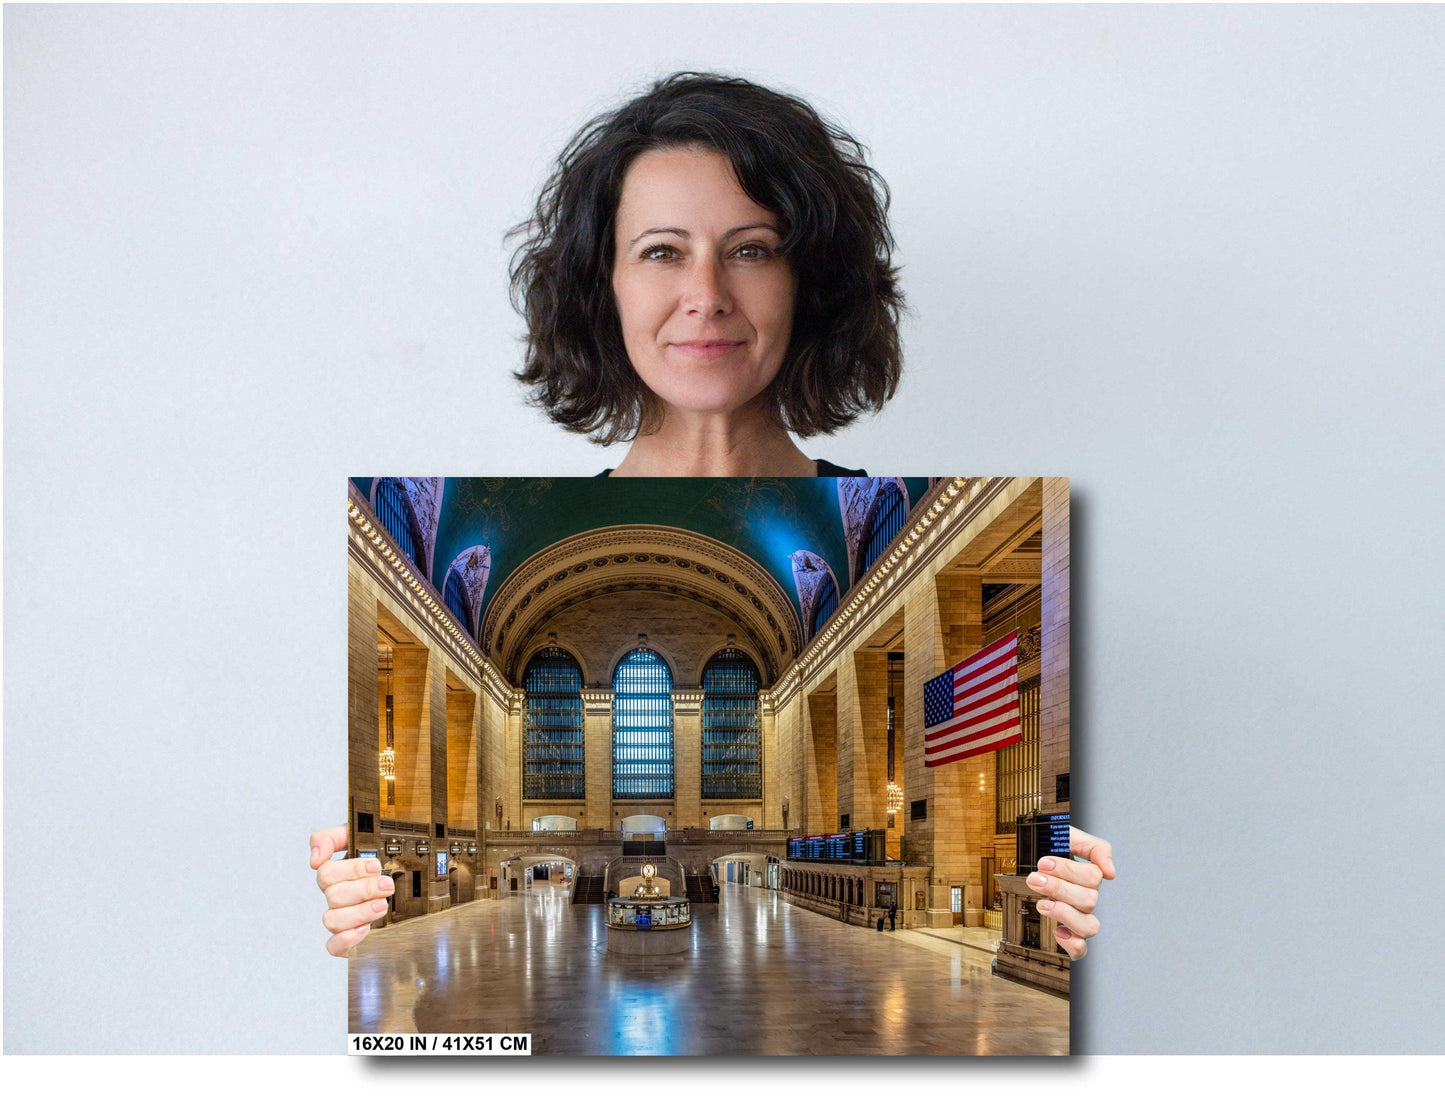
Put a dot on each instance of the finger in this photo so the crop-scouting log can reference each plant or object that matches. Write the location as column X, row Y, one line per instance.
column 1082, row 899
column 326, row 842
column 350, row 892
column 1071, row 942
column 349, row 917
column 342, row 943
column 339, row 870
column 1072, row 871
column 1082, row 925
column 1096, row 851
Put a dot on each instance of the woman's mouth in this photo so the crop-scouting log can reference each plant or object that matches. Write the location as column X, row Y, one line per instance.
column 706, row 348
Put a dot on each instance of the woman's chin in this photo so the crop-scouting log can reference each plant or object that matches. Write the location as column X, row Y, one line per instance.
column 690, row 403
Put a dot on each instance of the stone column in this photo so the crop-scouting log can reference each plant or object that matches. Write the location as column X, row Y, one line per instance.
column 687, row 759
column 1054, row 652
column 362, row 728
column 787, row 752
column 492, row 774
column 943, row 624
column 821, row 763
column 850, row 752
column 512, row 799
column 868, row 733
column 438, row 897
column 412, row 727
column 461, row 765
column 919, row 656
column 772, row 814
column 597, row 711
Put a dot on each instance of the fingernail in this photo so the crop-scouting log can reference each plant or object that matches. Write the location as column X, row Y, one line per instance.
column 373, row 866
column 1046, row 864
column 378, row 906
column 387, row 886
column 315, row 853
column 1063, row 931
column 1037, row 881
column 1046, row 905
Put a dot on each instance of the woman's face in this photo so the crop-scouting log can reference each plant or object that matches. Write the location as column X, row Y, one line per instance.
column 705, row 300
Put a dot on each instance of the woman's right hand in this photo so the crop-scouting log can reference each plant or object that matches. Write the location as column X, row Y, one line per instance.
column 356, row 890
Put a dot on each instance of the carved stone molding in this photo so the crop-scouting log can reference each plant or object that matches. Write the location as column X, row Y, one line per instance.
column 932, row 525
column 411, row 595
column 641, row 558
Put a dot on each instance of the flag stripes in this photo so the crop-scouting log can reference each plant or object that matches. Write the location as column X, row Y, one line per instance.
column 973, row 708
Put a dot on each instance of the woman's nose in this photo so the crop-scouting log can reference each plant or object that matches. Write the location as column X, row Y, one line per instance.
column 707, row 291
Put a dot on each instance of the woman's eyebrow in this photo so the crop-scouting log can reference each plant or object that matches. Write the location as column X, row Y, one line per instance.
column 682, row 233
column 660, row 229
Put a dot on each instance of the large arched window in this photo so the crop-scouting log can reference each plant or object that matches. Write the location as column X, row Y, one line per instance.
column 732, row 764
column 395, row 516
column 889, row 513
column 642, row 727
column 824, row 606
column 455, row 596
column 553, row 751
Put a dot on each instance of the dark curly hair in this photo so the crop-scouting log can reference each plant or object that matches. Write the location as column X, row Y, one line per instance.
column 844, row 355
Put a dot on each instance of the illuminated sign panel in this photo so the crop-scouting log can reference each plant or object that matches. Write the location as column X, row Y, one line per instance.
column 864, row 845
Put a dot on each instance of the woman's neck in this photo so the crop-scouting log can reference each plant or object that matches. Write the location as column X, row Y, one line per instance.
column 715, row 446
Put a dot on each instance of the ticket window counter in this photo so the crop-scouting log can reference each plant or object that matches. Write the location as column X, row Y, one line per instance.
column 955, row 904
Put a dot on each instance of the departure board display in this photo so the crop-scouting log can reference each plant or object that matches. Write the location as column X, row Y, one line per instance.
column 1057, row 828
column 1039, row 835
column 864, row 845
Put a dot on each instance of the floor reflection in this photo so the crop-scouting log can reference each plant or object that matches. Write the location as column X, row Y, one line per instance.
column 762, row 977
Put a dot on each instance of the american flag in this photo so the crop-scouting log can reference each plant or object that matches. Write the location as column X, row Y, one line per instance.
column 973, row 708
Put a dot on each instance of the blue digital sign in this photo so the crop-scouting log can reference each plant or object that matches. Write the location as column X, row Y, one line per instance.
column 1057, row 827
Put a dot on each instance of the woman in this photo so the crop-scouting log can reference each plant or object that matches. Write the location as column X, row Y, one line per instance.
column 707, row 274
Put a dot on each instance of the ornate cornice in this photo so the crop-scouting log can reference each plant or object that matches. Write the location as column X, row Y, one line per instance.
column 945, row 511
column 686, row 701
column 523, row 640
column 597, row 701
column 373, row 547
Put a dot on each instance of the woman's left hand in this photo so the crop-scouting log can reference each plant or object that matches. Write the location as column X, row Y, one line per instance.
column 1070, row 890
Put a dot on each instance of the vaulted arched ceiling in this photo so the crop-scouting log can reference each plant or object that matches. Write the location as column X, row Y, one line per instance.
column 764, row 519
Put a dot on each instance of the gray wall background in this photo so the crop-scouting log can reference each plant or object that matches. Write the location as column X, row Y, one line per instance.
column 1192, row 257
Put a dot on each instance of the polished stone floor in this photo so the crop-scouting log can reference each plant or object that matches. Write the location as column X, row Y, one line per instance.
column 762, row 977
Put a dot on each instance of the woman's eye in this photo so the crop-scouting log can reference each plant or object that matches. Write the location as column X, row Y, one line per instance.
column 753, row 252
column 659, row 253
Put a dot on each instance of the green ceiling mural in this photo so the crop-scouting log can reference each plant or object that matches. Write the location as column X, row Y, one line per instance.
column 768, row 519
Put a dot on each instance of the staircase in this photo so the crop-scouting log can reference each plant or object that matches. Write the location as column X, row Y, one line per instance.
column 701, row 889
column 587, row 889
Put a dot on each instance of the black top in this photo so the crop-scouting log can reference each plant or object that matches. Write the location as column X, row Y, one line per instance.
column 825, row 470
